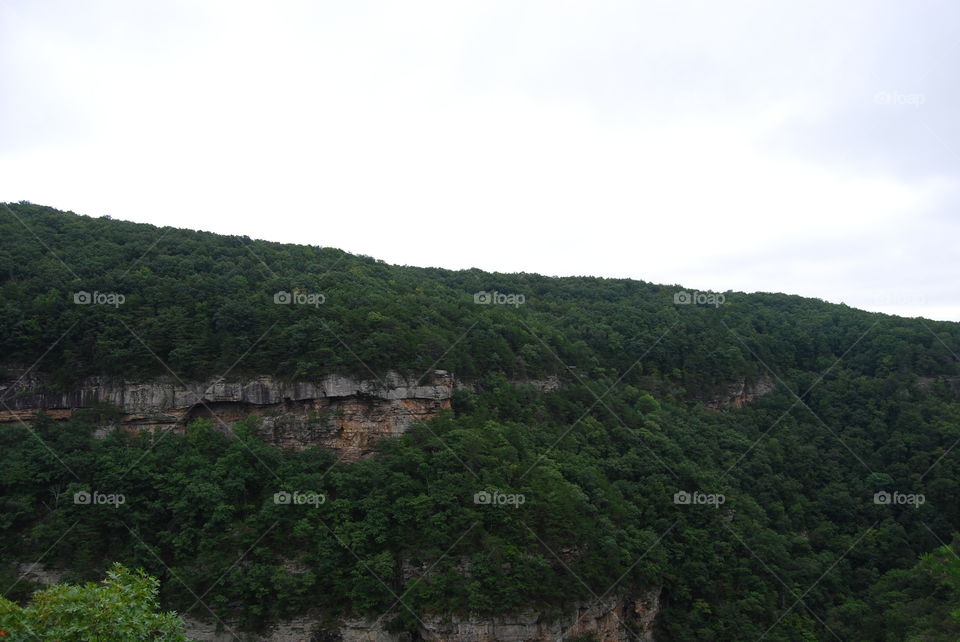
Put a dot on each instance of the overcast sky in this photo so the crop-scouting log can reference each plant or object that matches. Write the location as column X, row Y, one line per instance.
column 809, row 147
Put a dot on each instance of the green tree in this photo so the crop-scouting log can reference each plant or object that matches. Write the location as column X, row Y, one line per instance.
column 122, row 607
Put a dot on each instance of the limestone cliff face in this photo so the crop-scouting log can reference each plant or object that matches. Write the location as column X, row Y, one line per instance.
column 345, row 414
column 612, row 619
column 741, row 393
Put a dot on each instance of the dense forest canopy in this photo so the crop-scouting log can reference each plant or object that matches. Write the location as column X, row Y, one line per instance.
column 812, row 534
column 199, row 303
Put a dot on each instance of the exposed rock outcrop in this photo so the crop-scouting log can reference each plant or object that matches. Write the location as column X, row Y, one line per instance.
column 612, row 619
column 347, row 415
column 40, row 574
column 302, row 629
column 741, row 393
column 927, row 384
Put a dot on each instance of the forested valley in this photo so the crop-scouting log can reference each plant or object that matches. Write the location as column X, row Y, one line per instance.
column 827, row 507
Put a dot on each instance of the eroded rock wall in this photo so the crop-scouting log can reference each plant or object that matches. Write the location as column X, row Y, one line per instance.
column 742, row 393
column 611, row 619
column 347, row 415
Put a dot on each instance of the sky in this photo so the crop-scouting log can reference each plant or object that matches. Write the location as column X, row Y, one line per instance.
column 809, row 147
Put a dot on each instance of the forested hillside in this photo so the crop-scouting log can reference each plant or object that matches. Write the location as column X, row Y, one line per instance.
column 820, row 510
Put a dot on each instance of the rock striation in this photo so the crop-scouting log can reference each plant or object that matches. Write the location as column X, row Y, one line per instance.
column 741, row 393
column 344, row 414
column 611, row 619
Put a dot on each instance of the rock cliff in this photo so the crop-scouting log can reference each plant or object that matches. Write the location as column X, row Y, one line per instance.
column 612, row 619
column 345, row 414
column 929, row 384
column 741, row 393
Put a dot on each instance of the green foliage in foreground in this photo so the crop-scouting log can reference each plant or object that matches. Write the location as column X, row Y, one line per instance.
column 122, row 608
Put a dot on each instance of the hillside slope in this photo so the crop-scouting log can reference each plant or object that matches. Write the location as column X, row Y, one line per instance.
column 707, row 466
